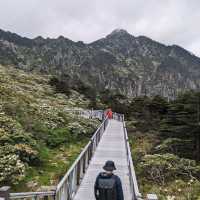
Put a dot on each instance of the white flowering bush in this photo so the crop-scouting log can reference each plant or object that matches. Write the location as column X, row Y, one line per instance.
column 84, row 126
column 23, row 145
column 162, row 168
column 11, row 168
column 27, row 154
column 90, row 125
column 76, row 128
column 11, row 132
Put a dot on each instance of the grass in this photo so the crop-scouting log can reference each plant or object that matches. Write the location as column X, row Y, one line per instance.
column 55, row 163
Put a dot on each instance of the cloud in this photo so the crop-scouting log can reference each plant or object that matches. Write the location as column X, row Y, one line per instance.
column 167, row 21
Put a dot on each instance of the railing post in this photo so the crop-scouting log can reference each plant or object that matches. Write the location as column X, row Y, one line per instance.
column 34, row 198
column 88, row 154
column 4, row 193
column 84, row 164
column 152, row 197
column 78, row 173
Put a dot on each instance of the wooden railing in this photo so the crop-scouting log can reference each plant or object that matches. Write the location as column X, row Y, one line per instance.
column 118, row 117
column 34, row 195
column 68, row 186
column 136, row 195
column 6, row 195
column 98, row 114
column 132, row 176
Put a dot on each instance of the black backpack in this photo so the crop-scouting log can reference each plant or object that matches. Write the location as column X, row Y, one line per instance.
column 107, row 188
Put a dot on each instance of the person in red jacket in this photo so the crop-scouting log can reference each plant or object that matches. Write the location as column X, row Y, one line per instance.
column 109, row 113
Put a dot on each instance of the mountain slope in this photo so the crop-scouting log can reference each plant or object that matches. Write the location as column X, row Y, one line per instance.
column 120, row 62
column 37, row 132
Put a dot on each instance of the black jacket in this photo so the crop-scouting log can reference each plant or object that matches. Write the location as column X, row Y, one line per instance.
column 119, row 191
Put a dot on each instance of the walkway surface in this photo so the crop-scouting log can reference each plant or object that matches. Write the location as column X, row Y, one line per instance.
column 111, row 147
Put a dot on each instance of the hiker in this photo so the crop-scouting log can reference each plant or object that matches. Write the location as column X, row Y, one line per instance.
column 108, row 186
column 109, row 113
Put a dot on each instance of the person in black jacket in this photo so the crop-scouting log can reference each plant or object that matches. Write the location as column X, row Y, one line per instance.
column 108, row 186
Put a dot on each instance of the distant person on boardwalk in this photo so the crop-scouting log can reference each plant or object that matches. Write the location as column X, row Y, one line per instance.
column 109, row 113
column 108, row 186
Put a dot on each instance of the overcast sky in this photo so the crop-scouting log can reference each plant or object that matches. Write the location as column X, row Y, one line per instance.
column 167, row 21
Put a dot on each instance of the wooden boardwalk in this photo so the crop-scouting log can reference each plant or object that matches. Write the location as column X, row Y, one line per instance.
column 111, row 147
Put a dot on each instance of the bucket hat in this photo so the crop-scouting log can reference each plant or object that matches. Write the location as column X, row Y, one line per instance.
column 109, row 166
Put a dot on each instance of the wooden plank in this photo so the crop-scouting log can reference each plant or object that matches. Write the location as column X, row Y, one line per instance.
column 111, row 147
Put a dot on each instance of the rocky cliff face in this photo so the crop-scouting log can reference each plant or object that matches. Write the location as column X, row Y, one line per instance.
column 121, row 62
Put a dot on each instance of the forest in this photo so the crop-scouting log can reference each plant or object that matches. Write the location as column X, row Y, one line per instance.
column 165, row 141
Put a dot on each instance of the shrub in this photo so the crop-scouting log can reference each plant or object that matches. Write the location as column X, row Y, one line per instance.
column 40, row 130
column 11, row 132
column 161, row 168
column 11, row 168
column 76, row 129
column 61, row 86
column 58, row 136
column 179, row 147
column 27, row 154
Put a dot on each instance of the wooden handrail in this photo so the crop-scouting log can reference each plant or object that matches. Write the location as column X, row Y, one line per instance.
column 68, row 186
column 24, row 195
column 132, row 176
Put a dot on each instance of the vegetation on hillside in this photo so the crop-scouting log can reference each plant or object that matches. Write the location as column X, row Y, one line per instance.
column 165, row 144
column 164, row 138
column 39, row 138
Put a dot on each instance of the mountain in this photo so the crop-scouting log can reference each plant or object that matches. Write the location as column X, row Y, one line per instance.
column 120, row 62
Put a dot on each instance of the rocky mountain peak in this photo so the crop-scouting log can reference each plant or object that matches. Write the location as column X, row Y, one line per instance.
column 119, row 33
column 118, row 39
column 120, row 62
column 39, row 40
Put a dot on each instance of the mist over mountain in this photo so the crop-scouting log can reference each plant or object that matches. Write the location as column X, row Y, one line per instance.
column 120, row 62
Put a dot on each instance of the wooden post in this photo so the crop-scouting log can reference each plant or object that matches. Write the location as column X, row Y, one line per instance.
column 78, row 173
column 152, row 197
column 4, row 193
column 84, row 164
column 88, row 154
